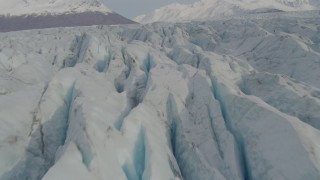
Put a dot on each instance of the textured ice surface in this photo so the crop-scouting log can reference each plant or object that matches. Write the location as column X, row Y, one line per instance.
column 229, row 99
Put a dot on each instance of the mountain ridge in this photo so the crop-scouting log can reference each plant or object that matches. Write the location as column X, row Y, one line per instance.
column 38, row 14
column 43, row 7
column 212, row 8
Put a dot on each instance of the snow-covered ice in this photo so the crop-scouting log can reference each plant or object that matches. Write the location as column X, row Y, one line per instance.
column 229, row 99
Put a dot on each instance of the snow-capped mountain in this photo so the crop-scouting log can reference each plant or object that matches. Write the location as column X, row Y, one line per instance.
column 210, row 8
column 37, row 14
column 226, row 99
column 40, row 7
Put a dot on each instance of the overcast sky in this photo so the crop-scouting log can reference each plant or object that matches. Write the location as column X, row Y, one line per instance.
column 132, row 8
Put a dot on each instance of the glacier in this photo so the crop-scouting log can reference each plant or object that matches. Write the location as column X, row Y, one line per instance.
column 227, row 99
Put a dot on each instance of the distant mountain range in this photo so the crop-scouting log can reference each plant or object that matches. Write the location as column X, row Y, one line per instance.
column 37, row 14
column 212, row 8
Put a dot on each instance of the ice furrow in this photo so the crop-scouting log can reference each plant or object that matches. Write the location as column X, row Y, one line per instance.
column 78, row 50
column 239, row 142
column 284, row 94
column 173, row 118
column 186, row 152
column 244, row 112
column 214, row 133
column 45, row 140
column 137, row 90
column 120, row 81
column 103, row 65
column 35, row 120
column 140, row 155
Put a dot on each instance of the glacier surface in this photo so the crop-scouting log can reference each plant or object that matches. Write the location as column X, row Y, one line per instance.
column 226, row 99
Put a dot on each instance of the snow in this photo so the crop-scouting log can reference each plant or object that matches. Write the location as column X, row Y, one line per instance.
column 230, row 99
column 205, row 9
column 41, row 7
